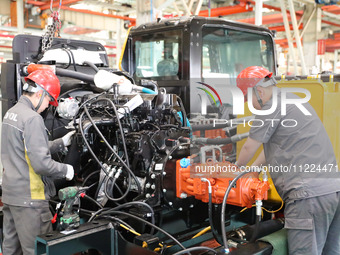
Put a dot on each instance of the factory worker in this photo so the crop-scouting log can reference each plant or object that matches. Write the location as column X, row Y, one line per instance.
column 29, row 170
column 300, row 158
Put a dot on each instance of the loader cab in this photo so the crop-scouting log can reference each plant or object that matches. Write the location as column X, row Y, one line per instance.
column 175, row 51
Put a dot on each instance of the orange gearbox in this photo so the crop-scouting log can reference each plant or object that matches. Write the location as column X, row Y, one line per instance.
column 189, row 183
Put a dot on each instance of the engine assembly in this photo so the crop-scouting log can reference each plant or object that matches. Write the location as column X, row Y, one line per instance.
column 135, row 153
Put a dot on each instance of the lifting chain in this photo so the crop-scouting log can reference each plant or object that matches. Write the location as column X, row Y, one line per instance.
column 53, row 28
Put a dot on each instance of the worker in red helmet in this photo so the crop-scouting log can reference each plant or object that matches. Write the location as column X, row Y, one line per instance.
column 292, row 153
column 29, row 170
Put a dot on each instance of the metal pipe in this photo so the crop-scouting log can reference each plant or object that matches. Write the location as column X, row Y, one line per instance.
column 20, row 16
column 307, row 23
column 258, row 12
column 188, row 12
column 289, row 39
column 198, row 8
column 297, row 36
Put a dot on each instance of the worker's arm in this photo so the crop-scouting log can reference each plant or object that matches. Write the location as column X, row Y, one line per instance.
column 261, row 160
column 248, row 151
column 56, row 145
column 37, row 150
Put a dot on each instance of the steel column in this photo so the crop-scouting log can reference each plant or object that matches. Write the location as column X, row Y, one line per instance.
column 198, row 8
column 297, row 36
column 20, row 16
column 258, row 12
column 289, row 39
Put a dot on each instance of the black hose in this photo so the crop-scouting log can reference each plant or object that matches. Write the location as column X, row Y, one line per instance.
column 88, row 145
column 92, row 200
column 150, row 224
column 76, row 75
column 113, row 184
column 133, row 203
column 231, row 184
column 69, row 57
column 93, row 66
column 97, row 213
column 257, row 227
column 74, row 61
column 120, row 128
column 114, row 152
column 117, row 219
column 199, row 248
column 211, row 222
column 89, row 176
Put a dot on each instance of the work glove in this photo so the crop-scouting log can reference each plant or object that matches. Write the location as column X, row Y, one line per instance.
column 70, row 172
column 67, row 139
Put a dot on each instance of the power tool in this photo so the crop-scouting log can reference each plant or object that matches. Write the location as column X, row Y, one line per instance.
column 70, row 218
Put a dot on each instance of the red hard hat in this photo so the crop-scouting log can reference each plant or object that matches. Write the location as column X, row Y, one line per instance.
column 48, row 81
column 250, row 76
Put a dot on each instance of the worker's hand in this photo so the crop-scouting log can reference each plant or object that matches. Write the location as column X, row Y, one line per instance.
column 70, row 172
column 67, row 139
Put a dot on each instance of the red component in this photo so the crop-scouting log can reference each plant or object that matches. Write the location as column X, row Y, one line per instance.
column 34, row 67
column 250, row 76
column 82, row 195
column 48, row 81
column 54, row 218
column 248, row 188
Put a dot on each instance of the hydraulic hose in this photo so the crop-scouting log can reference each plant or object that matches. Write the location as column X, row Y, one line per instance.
column 210, row 212
column 120, row 128
column 114, row 152
column 224, row 234
column 135, row 203
column 256, row 232
column 152, row 225
column 76, row 75
column 93, row 66
column 92, row 200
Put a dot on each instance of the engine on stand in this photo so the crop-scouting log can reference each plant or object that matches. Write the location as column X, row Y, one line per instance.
column 135, row 152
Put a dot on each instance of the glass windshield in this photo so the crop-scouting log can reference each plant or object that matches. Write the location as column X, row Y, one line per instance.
column 226, row 52
column 157, row 55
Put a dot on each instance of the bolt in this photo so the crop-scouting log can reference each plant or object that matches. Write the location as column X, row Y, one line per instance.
column 147, row 185
column 180, row 147
column 164, row 190
column 153, row 176
column 170, row 157
column 170, row 203
column 191, row 206
column 153, row 186
column 180, row 209
column 147, row 195
column 26, row 41
column 164, row 173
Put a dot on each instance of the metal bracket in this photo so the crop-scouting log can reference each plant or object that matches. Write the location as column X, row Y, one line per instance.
column 99, row 235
